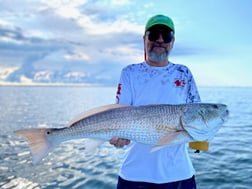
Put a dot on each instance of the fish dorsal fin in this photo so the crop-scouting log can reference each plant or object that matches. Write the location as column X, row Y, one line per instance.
column 95, row 111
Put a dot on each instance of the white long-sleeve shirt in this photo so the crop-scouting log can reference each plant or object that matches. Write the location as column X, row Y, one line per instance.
column 141, row 84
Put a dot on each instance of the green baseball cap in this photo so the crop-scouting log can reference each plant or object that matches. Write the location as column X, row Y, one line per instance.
column 160, row 19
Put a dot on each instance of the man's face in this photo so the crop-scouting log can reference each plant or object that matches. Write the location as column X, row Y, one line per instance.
column 158, row 42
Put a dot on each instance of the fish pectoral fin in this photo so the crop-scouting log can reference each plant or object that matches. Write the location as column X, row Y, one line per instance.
column 156, row 148
column 91, row 144
column 169, row 137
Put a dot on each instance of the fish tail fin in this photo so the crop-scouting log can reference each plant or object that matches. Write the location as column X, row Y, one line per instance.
column 38, row 141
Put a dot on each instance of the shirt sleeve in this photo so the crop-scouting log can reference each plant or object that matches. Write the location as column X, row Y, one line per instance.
column 124, row 92
column 192, row 94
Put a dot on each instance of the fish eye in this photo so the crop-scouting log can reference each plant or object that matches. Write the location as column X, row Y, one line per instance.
column 215, row 106
column 48, row 132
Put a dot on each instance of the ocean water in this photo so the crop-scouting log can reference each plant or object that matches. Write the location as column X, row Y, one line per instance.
column 227, row 164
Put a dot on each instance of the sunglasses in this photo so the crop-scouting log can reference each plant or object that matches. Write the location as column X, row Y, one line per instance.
column 166, row 35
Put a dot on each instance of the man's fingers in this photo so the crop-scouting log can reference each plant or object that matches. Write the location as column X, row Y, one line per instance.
column 119, row 142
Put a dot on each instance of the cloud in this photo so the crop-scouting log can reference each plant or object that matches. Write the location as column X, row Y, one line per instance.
column 89, row 41
column 13, row 42
column 77, row 56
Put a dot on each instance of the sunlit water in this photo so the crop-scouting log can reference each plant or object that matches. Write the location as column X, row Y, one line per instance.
column 227, row 164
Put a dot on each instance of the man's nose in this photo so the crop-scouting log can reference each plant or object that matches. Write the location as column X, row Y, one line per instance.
column 160, row 38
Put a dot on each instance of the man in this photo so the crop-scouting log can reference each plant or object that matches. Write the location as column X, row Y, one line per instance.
column 156, row 81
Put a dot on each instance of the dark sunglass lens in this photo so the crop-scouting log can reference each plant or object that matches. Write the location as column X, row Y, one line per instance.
column 153, row 35
column 167, row 36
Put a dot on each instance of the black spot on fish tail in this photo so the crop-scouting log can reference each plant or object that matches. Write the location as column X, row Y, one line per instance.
column 49, row 131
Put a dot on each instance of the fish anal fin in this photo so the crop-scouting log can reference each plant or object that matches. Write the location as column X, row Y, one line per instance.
column 91, row 144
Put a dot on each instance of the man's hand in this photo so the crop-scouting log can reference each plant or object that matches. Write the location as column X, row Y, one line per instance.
column 119, row 142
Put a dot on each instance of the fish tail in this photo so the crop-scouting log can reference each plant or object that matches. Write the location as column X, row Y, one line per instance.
column 38, row 141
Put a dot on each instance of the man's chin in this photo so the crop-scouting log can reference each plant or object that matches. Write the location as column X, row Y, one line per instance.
column 158, row 58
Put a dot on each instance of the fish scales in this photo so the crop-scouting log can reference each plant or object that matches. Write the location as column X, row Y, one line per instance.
column 116, row 123
column 161, row 125
column 123, row 121
column 109, row 123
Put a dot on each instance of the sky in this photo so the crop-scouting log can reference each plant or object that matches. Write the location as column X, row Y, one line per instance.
column 97, row 38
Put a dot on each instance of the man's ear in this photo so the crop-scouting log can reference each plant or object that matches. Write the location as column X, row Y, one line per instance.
column 144, row 46
column 172, row 42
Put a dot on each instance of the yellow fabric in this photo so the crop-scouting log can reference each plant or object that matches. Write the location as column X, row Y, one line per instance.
column 203, row 145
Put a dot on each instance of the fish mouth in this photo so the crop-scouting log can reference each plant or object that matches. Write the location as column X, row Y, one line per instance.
column 224, row 117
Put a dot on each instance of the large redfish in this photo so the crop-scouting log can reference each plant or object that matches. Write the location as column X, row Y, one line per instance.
column 156, row 125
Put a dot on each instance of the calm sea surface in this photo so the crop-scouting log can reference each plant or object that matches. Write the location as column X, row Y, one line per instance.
column 227, row 164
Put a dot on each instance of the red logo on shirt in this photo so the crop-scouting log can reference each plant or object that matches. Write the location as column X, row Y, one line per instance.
column 180, row 83
column 119, row 89
column 118, row 92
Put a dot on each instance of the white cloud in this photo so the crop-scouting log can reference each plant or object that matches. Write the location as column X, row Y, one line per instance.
column 148, row 5
column 125, row 53
column 77, row 56
column 120, row 2
column 5, row 71
column 4, row 23
column 104, row 28
column 97, row 34
column 66, row 9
